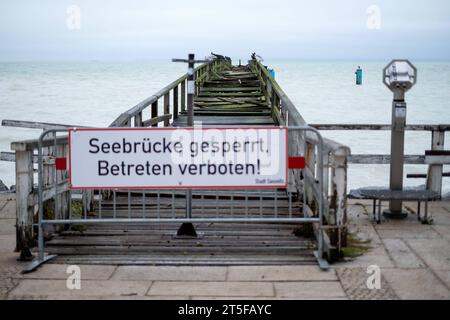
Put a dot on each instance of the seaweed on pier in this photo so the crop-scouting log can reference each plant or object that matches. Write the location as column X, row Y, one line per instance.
column 355, row 247
column 77, row 213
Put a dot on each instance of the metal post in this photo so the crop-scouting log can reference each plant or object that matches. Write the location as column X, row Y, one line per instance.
column 399, row 76
column 187, row 229
column 434, row 176
column 397, row 152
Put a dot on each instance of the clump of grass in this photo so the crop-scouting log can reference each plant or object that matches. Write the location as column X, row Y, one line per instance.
column 77, row 213
column 49, row 210
column 355, row 247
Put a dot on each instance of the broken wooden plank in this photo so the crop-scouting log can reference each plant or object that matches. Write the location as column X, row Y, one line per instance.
column 37, row 125
column 230, row 94
column 383, row 159
column 224, row 120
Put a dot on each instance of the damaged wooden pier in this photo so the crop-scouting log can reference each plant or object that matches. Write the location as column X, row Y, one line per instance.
column 225, row 96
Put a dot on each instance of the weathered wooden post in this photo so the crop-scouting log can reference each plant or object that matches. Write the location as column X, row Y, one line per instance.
column 187, row 229
column 310, row 159
column 183, row 95
column 25, row 209
column 138, row 120
column 340, row 183
column 154, row 112
column 434, row 176
column 175, row 103
column 166, row 108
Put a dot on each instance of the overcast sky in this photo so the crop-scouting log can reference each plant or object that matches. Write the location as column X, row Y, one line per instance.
column 276, row 29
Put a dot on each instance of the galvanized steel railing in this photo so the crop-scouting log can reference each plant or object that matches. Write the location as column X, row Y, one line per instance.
column 137, row 213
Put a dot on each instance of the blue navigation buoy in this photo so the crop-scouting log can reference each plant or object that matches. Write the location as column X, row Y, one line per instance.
column 359, row 74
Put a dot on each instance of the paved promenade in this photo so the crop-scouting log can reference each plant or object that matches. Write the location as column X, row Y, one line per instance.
column 414, row 261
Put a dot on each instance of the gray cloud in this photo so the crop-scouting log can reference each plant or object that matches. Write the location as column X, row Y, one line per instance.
column 141, row 30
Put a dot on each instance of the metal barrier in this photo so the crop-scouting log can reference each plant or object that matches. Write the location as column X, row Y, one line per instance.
column 319, row 186
column 245, row 205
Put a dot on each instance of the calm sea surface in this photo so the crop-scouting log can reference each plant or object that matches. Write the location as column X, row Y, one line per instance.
column 94, row 94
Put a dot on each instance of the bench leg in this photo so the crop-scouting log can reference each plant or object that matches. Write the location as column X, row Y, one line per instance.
column 379, row 212
column 418, row 210
column 426, row 212
column 374, row 209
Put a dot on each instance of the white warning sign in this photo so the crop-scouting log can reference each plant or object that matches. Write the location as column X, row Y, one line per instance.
column 143, row 158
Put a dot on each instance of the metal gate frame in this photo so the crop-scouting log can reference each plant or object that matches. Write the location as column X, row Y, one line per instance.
column 42, row 258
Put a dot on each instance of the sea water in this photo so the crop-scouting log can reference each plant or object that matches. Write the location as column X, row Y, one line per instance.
column 95, row 93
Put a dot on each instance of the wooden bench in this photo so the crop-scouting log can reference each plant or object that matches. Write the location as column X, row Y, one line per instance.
column 381, row 195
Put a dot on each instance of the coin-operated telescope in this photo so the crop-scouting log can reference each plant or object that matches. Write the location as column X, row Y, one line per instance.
column 399, row 76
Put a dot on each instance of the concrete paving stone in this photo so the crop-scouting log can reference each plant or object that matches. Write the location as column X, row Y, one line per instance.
column 230, row 289
column 410, row 223
column 375, row 256
column 354, row 283
column 145, row 298
column 168, row 273
column 8, row 279
column 254, row 298
column 7, row 210
column 279, row 273
column 309, row 290
column 441, row 218
column 106, row 297
column 7, row 226
column 360, row 213
column 177, row 298
column 444, row 275
column 402, row 255
column 439, row 205
column 10, row 259
column 59, row 271
column 7, row 243
column 443, row 230
column 89, row 288
column 109, row 297
column 365, row 233
column 412, row 284
column 74, row 297
column 435, row 252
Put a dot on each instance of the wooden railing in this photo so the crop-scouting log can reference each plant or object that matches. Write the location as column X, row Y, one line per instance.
column 55, row 184
column 435, row 171
column 335, row 157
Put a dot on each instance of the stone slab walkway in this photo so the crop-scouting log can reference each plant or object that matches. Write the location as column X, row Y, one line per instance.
column 414, row 262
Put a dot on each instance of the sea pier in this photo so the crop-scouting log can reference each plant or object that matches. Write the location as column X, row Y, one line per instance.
column 304, row 222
